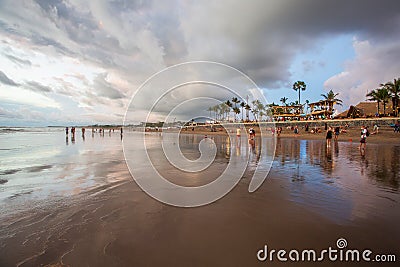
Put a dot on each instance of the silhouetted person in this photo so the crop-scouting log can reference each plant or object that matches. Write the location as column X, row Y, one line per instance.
column 73, row 131
column 329, row 135
column 363, row 139
column 337, row 132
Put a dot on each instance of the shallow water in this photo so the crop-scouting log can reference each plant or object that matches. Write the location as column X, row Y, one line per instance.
column 42, row 166
column 339, row 182
column 74, row 203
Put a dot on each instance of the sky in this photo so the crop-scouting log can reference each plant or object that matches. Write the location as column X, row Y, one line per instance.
column 72, row 62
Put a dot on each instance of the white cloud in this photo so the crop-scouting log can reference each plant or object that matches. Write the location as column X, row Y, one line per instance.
column 22, row 96
column 374, row 63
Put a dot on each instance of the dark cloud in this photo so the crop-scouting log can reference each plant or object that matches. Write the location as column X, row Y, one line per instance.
column 19, row 61
column 105, row 89
column 41, row 40
column 37, row 87
column 135, row 39
column 262, row 37
column 5, row 80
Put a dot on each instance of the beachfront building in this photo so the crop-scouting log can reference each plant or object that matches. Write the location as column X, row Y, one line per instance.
column 366, row 110
column 293, row 112
column 322, row 109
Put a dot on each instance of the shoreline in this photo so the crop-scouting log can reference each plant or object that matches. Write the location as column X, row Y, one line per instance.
column 385, row 135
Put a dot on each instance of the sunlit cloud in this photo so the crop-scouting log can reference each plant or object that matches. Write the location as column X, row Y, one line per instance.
column 87, row 58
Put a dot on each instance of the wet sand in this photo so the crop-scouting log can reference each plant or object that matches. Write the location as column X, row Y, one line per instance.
column 124, row 227
column 119, row 225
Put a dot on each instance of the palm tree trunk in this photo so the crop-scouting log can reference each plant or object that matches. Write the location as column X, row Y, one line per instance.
column 378, row 107
column 299, row 95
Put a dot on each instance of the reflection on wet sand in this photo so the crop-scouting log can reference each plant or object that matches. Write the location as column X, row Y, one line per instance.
column 339, row 182
column 309, row 153
column 313, row 196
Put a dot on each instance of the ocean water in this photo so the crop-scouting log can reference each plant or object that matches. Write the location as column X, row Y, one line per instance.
column 43, row 167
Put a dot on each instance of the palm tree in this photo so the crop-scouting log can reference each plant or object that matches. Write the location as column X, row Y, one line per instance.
column 236, row 110
column 299, row 86
column 394, row 90
column 262, row 113
column 242, row 106
column 210, row 109
column 255, row 110
column 308, row 107
column 258, row 107
column 247, row 108
column 373, row 96
column 283, row 100
column 384, row 95
column 229, row 106
column 331, row 97
column 236, row 101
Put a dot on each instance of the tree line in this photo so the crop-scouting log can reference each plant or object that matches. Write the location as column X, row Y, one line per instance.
column 386, row 92
column 222, row 111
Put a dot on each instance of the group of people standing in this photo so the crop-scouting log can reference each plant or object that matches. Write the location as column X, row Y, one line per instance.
column 94, row 130
column 332, row 133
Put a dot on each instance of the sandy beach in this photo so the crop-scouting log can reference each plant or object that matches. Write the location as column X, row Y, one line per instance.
column 311, row 198
column 385, row 134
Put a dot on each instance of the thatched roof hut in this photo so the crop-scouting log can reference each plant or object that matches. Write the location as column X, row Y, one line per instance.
column 364, row 110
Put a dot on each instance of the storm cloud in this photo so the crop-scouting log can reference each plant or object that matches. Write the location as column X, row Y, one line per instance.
column 5, row 80
column 117, row 45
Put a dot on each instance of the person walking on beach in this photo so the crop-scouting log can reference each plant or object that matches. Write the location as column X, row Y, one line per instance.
column 329, row 135
column 238, row 132
column 296, row 130
column 252, row 133
column 337, row 132
column 363, row 139
column 279, row 131
column 376, row 128
column 66, row 130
